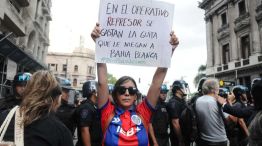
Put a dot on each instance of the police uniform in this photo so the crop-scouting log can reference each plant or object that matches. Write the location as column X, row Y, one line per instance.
column 160, row 123
column 87, row 116
column 46, row 131
column 9, row 102
column 175, row 107
column 65, row 114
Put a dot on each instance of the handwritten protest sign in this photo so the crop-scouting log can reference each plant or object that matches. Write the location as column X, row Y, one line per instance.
column 135, row 32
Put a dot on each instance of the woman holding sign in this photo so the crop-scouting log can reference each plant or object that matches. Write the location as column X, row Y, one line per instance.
column 124, row 123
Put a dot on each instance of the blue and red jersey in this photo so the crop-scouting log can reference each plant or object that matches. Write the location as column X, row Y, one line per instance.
column 126, row 128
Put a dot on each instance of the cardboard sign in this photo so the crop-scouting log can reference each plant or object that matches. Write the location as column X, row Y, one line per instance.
column 135, row 32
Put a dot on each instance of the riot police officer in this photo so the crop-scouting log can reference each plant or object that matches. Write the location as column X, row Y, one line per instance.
column 175, row 107
column 66, row 111
column 158, row 128
column 199, row 89
column 88, row 119
column 19, row 82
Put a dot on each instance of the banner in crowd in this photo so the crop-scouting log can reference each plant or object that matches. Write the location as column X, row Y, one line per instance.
column 135, row 32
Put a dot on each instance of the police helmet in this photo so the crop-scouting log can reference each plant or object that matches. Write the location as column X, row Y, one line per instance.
column 110, row 88
column 21, row 79
column 255, row 80
column 89, row 88
column 200, row 84
column 163, row 89
column 239, row 90
column 178, row 85
column 223, row 92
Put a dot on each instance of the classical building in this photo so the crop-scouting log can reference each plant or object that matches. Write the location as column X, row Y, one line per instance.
column 234, row 39
column 77, row 67
column 24, row 37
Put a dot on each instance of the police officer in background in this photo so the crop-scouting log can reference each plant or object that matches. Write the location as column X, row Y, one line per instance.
column 158, row 128
column 175, row 107
column 66, row 111
column 18, row 86
column 199, row 89
column 88, row 119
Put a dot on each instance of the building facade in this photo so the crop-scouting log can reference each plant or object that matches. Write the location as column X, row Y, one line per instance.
column 77, row 67
column 24, row 37
column 234, row 39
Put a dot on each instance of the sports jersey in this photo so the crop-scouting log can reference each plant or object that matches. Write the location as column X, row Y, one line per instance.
column 126, row 128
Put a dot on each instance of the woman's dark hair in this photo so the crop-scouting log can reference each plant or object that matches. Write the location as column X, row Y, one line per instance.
column 256, row 92
column 119, row 82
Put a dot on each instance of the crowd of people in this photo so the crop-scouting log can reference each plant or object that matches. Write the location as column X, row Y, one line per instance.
column 113, row 116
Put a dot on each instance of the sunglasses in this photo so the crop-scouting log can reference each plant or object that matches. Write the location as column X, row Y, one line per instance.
column 131, row 90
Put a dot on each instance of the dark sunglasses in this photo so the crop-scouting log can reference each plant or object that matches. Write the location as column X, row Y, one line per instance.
column 131, row 90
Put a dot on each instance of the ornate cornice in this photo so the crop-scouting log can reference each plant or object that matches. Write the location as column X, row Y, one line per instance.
column 259, row 13
column 223, row 32
column 204, row 4
column 242, row 21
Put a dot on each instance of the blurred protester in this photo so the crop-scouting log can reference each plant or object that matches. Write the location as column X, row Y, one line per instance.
column 255, row 127
column 40, row 101
column 158, row 128
column 88, row 119
column 210, row 117
column 237, row 131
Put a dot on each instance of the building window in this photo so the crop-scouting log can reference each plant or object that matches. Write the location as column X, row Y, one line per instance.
column 224, row 19
column 64, row 67
column 75, row 82
column 245, row 47
column 242, row 8
column 52, row 67
column 76, row 68
column 89, row 69
column 226, row 54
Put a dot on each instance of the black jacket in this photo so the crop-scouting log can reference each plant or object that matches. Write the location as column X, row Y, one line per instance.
column 9, row 102
column 46, row 131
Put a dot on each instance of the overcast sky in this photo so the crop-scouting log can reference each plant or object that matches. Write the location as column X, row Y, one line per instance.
column 74, row 18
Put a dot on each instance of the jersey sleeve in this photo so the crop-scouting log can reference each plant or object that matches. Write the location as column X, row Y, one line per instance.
column 144, row 109
column 106, row 111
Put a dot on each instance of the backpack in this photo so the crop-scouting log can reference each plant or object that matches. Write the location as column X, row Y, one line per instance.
column 188, row 123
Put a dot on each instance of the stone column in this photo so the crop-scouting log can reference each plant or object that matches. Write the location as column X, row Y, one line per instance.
column 44, row 54
column 256, row 49
column 210, row 51
column 215, row 41
column 232, row 14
